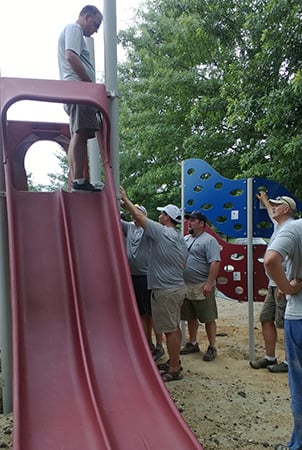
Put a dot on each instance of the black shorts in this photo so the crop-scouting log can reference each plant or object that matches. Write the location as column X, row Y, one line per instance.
column 142, row 294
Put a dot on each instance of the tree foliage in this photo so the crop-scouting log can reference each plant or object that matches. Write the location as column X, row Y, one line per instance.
column 218, row 80
column 56, row 181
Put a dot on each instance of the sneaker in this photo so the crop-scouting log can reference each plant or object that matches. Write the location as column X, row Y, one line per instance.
column 84, row 187
column 281, row 447
column 189, row 348
column 278, row 368
column 152, row 347
column 210, row 354
column 157, row 353
column 262, row 363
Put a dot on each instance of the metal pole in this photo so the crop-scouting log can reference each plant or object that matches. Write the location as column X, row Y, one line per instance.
column 5, row 306
column 250, row 267
column 183, row 323
column 110, row 52
column 93, row 150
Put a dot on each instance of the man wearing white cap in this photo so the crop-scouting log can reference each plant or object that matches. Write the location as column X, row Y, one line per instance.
column 281, row 210
column 165, row 277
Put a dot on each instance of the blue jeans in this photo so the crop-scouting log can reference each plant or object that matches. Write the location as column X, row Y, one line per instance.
column 293, row 342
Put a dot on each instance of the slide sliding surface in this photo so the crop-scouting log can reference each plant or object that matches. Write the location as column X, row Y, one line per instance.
column 83, row 377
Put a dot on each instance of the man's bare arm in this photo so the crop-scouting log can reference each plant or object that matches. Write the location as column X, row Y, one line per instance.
column 262, row 196
column 135, row 212
column 213, row 273
column 273, row 266
column 76, row 65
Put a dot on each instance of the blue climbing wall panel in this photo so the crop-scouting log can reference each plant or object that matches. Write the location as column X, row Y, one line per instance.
column 224, row 201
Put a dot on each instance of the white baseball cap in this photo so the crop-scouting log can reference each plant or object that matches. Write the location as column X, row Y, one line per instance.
column 142, row 209
column 284, row 200
column 172, row 211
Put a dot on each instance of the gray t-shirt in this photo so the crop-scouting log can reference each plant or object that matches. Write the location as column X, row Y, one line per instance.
column 288, row 243
column 168, row 256
column 277, row 228
column 203, row 250
column 138, row 247
column 72, row 38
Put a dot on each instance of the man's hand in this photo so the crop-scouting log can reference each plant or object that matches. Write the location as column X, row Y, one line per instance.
column 262, row 196
column 135, row 212
column 297, row 285
column 123, row 194
column 207, row 288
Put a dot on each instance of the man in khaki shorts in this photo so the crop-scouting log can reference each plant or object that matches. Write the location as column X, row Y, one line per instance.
column 76, row 64
column 200, row 274
column 165, row 277
column 281, row 211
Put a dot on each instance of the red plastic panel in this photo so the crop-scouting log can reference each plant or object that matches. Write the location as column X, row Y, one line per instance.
column 232, row 277
column 83, row 376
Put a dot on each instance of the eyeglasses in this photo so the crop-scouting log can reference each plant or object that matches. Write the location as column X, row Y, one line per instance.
column 96, row 24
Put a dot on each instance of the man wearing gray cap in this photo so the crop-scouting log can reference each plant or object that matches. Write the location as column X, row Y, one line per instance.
column 281, row 210
column 165, row 277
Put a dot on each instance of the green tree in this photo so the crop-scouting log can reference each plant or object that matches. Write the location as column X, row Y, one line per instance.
column 267, row 110
column 218, row 80
column 171, row 104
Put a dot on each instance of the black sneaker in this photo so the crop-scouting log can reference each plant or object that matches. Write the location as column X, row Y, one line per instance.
column 152, row 347
column 84, row 187
column 281, row 447
column 189, row 348
column 262, row 363
column 210, row 354
column 278, row 368
column 157, row 352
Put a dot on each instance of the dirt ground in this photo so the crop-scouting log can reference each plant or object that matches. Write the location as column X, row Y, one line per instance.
column 227, row 404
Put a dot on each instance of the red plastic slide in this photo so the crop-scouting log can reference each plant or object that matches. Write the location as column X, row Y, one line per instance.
column 83, row 378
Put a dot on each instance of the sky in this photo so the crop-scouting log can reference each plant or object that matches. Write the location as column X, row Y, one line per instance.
column 29, row 32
